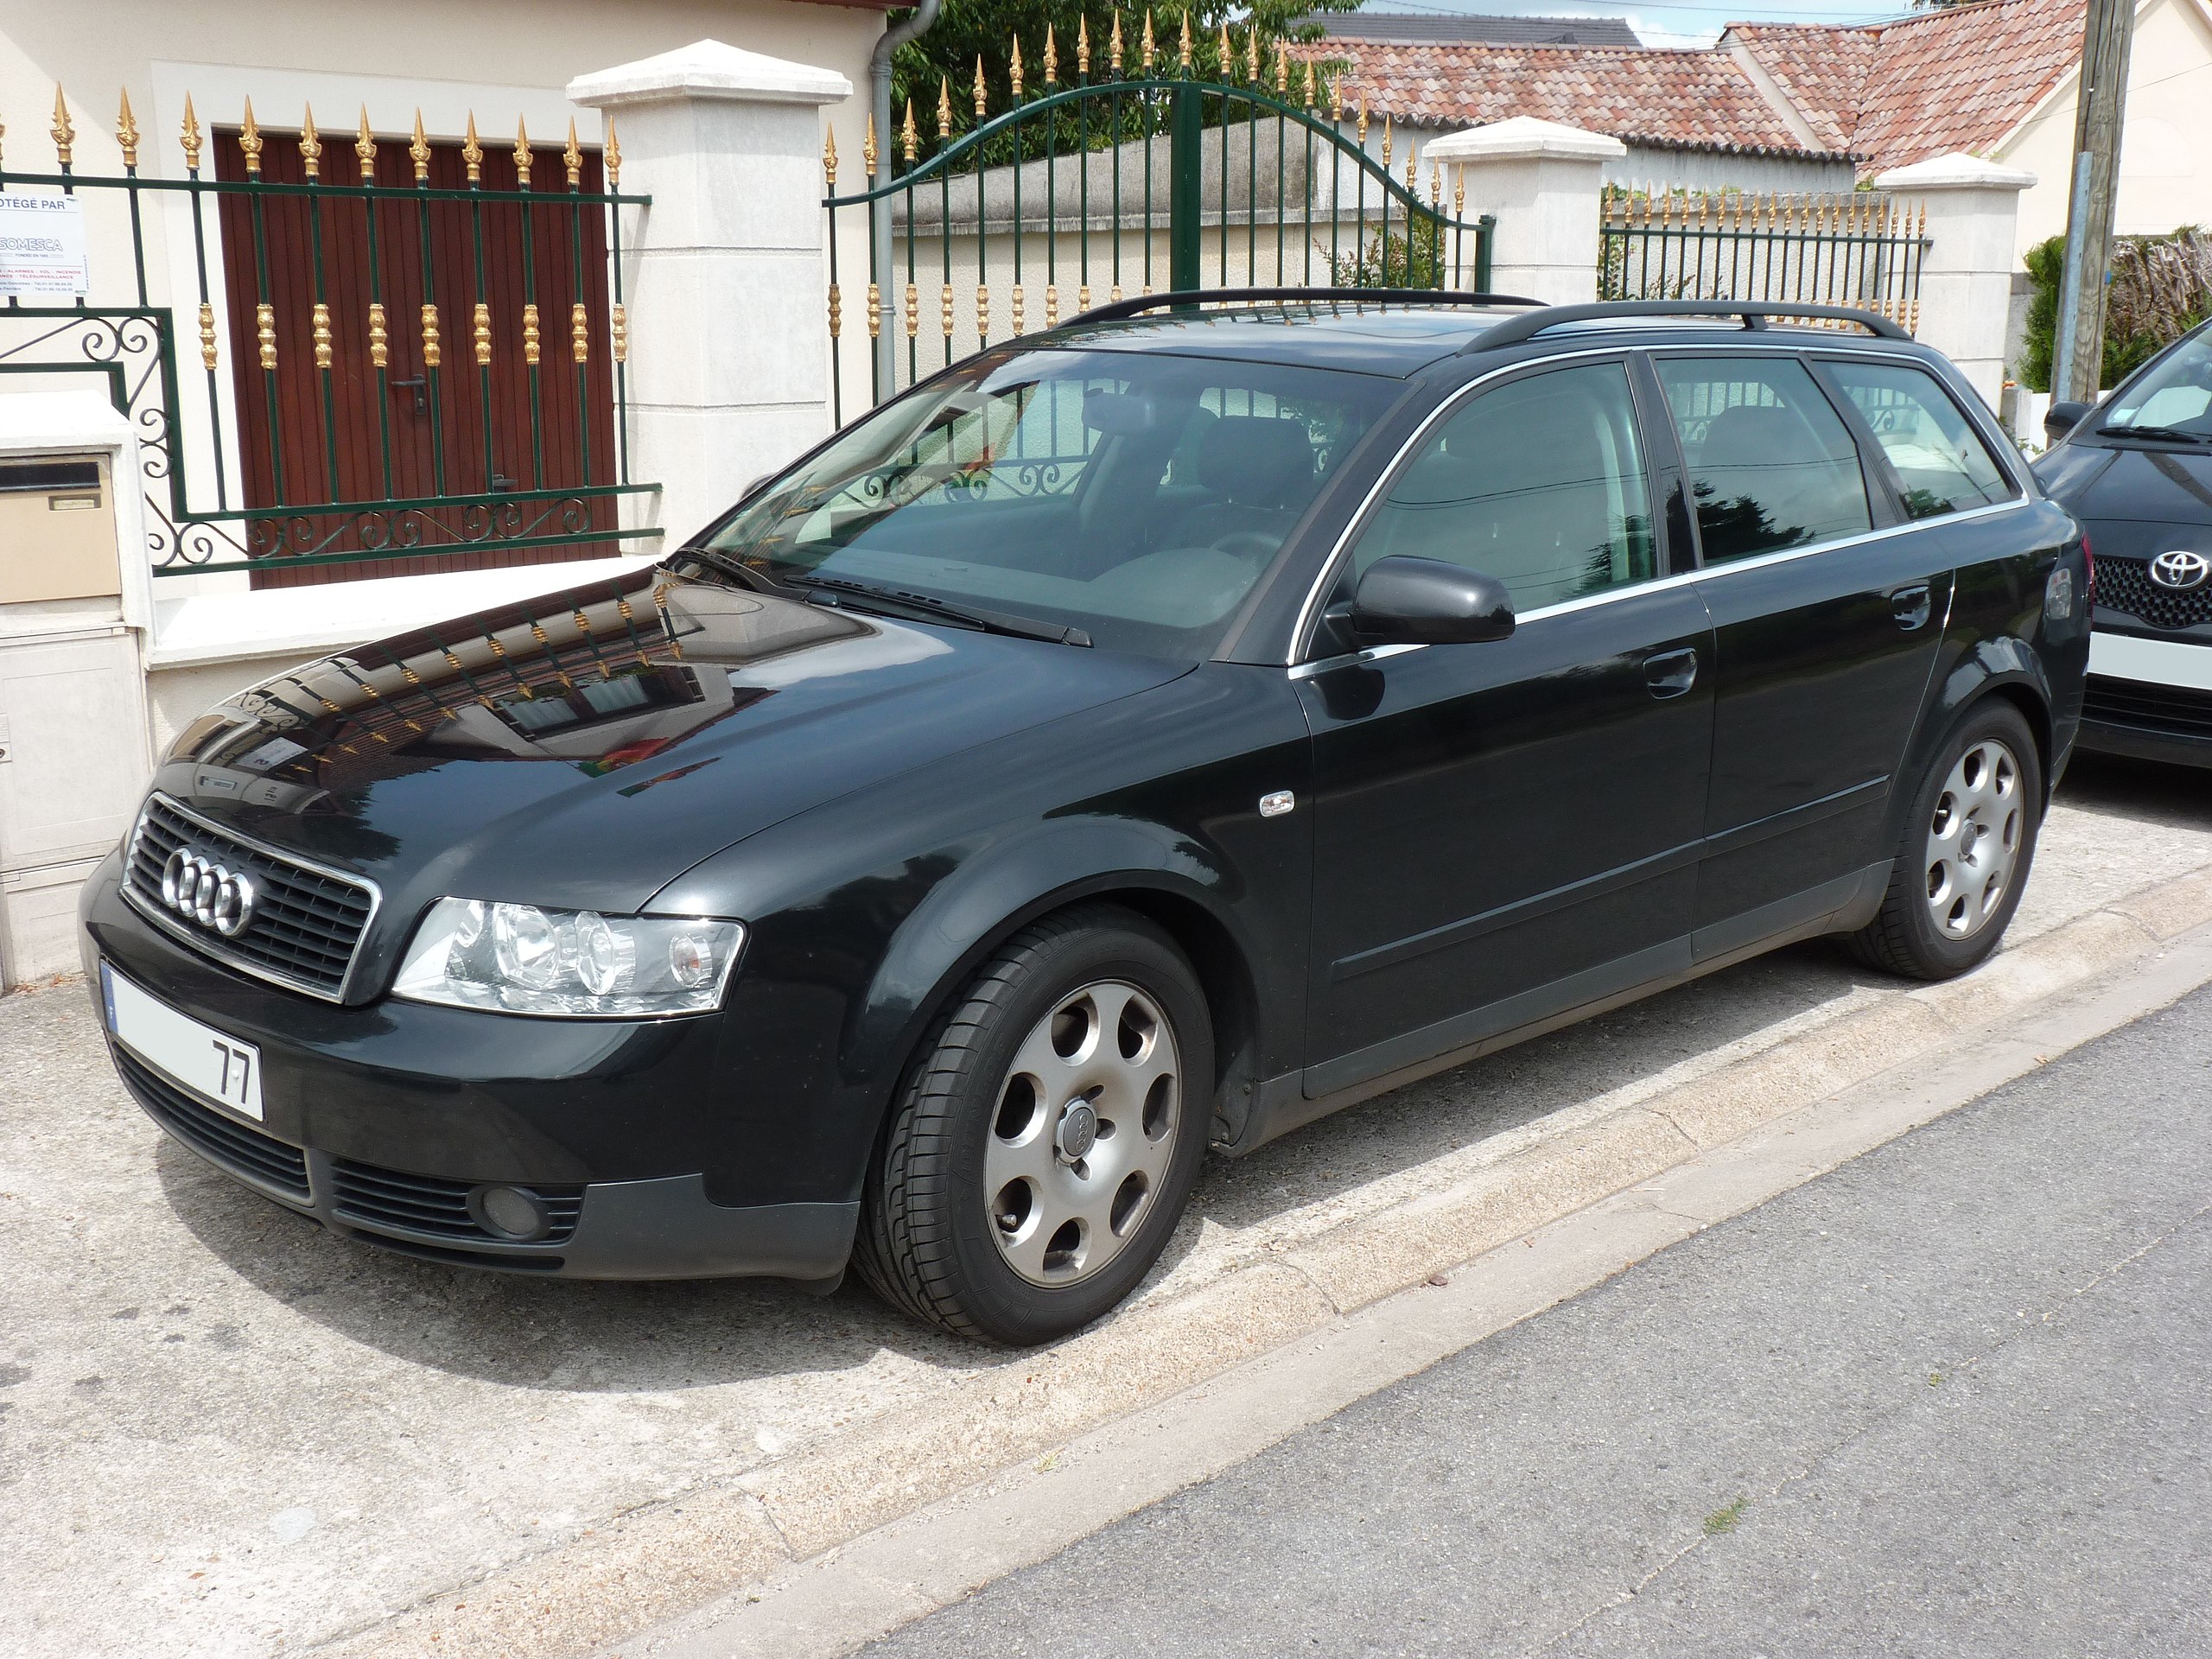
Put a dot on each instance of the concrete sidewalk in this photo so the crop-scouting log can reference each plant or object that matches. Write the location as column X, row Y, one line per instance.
column 1954, row 1398
column 228, row 1433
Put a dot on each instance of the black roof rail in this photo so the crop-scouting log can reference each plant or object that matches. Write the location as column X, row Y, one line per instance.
column 1143, row 303
column 1754, row 313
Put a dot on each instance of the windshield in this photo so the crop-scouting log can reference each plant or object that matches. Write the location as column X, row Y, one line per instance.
column 2174, row 396
column 1134, row 497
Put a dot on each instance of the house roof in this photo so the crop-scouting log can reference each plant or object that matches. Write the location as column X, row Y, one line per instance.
column 1415, row 29
column 1673, row 99
column 1884, row 95
column 1958, row 79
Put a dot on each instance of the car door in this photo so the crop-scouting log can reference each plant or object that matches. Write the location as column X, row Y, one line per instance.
column 1508, row 829
column 1826, row 610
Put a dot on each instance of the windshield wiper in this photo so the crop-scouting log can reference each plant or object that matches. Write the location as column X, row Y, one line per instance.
column 2171, row 434
column 929, row 605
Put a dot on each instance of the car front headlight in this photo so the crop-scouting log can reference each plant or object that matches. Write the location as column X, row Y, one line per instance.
column 525, row 959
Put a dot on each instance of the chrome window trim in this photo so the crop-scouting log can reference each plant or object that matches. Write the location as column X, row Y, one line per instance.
column 212, row 948
column 1308, row 613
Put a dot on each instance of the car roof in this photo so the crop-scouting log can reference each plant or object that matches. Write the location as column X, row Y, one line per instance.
column 1335, row 329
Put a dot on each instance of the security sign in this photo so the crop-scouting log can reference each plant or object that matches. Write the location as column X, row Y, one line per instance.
column 42, row 247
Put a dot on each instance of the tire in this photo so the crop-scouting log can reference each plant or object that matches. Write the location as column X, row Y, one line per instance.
column 1964, row 853
column 989, row 1161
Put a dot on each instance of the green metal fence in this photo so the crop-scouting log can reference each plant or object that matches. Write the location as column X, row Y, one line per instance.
column 429, row 368
column 1079, row 194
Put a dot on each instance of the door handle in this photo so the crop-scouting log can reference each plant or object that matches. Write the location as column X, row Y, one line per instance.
column 1670, row 673
column 1911, row 606
column 416, row 385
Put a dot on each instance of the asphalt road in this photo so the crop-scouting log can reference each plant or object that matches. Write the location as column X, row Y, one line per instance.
column 1954, row 1399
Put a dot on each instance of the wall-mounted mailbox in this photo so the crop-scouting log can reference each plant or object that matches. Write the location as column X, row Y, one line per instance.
column 57, row 528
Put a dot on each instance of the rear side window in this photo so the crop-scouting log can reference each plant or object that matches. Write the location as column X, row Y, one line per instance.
column 1772, row 464
column 1941, row 463
column 1539, row 484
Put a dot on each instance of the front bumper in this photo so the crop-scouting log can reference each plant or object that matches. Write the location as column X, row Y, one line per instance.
column 388, row 1122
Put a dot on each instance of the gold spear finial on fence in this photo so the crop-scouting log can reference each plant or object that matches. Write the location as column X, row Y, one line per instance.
column 126, row 132
column 983, row 90
column 311, row 147
column 1114, row 47
column 867, row 146
column 944, row 108
column 249, row 143
column 1386, row 134
column 1151, row 49
column 1184, row 56
column 522, row 154
column 472, row 152
column 1052, row 57
column 1282, row 71
column 189, row 136
column 1252, row 52
column 365, row 146
column 1083, row 45
column 1435, row 184
column 1228, row 54
column 418, row 151
column 1309, row 83
column 830, row 157
column 1014, row 69
column 1459, row 193
column 1336, row 98
column 573, row 159
column 613, row 156
column 910, row 139
column 1361, row 128
column 64, row 135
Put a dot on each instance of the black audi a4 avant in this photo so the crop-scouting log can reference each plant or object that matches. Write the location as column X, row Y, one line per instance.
column 1142, row 737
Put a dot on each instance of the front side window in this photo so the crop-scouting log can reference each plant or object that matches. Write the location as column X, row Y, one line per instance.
column 1539, row 483
column 1772, row 464
column 1941, row 463
column 1135, row 496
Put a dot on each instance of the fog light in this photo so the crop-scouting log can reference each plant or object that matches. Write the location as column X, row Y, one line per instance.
column 510, row 1211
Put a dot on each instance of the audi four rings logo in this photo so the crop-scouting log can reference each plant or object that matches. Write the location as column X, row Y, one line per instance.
column 2180, row 569
column 202, row 891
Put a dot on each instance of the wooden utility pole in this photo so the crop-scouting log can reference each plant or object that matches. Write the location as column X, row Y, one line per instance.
column 2078, row 351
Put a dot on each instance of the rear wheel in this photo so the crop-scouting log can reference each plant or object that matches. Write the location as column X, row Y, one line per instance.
column 1968, row 841
column 1049, row 1139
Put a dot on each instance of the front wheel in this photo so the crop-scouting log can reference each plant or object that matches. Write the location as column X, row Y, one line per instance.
column 1962, row 860
column 1048, row 1142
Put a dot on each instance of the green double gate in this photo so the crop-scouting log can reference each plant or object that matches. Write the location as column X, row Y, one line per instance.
column 1085, row 195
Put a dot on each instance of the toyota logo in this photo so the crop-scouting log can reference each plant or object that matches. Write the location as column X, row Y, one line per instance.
column 202, row 891
column 2180, row 569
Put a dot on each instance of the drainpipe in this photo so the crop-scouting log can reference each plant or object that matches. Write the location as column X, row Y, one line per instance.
column 915, row 23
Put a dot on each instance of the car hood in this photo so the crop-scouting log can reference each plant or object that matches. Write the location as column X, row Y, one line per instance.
column 2158, row 487
column 586, row 748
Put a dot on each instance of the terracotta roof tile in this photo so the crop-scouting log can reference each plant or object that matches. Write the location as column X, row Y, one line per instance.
column 1885, row 95
column 1700, row 98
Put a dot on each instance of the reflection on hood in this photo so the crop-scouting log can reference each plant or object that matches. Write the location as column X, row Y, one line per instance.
column 601, row 683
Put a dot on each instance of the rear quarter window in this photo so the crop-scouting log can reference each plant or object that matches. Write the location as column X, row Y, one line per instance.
column 1941, row 462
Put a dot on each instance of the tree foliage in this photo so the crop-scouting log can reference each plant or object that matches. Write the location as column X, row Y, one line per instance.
column 2157, row 289
column 968, row 30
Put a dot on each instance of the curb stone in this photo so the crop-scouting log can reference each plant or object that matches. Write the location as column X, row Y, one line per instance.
column 654, row 1562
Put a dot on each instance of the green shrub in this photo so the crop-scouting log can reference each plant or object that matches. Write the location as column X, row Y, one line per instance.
column 2158, row 288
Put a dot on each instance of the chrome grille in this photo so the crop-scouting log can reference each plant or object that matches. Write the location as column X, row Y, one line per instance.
column 2124, row 585
column 307, row 925
column 427, row 1205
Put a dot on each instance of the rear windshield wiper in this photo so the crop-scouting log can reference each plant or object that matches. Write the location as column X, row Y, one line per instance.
column 929, row 605
column 2169, row 434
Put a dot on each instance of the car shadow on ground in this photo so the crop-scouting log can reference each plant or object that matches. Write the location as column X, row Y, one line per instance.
column 2145, row 790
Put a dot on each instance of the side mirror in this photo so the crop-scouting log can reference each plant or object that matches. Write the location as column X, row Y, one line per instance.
column 1402, row 601
column 2061, row 418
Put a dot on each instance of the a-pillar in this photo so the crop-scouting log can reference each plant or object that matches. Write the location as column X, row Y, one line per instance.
column 1545, row 182
column 1966, row 272
column 724, row 283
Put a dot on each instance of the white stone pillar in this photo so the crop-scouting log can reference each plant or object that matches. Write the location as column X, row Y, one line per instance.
column 723, row 275
column 1545, row 182
column 1966, row 275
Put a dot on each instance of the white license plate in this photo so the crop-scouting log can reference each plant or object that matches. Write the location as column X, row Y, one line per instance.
column 202, row 1059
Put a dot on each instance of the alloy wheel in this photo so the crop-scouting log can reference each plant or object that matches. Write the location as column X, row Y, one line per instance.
column 1085, row 1133
column 1973, row 839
